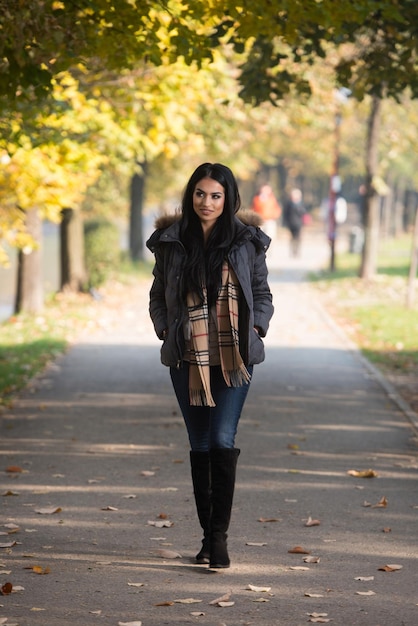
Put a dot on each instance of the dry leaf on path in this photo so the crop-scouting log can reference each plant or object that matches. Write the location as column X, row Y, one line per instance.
column 109, row 508
column 381, row 504
column 261, row 600
column 264, row 520
column 258, row 589
column 364, row 579
column 136, row 623
column 136, row 584
column 188, row 601
column 167, row 554
column 298, row 550
column 312, row 522
column 365, row 593
column 225, row 604
column 224, row 598
column 166, row 603
column 369, row 473
column 390, row 568
column 255, row 543
column 14, row 469
column 160, row 523
column 197, row 613
column 313, row 595
column 37, row 569
column 10, row 493
column 147, row 473
column 311, row 559
column 49, row 510
column 6, row 589
column 300, row 568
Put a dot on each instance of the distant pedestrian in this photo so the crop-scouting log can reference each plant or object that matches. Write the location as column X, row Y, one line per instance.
column 211, row 304
column 293, row 219
column 268, row 208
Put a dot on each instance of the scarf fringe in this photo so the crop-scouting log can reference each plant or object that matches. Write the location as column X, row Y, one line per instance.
column 198, row 397
column 237, row 377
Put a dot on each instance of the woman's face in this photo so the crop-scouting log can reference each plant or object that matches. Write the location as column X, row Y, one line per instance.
column 208, row 201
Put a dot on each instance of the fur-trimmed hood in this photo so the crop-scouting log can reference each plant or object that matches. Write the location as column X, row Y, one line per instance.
column 246, row 216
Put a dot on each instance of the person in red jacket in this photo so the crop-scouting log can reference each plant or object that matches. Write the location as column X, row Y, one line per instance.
column 268, row 208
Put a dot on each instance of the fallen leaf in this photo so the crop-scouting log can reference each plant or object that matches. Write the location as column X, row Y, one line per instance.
column 311, row 559
column 167, row 603
column 261, row 600
column 37, row 569
column 147, row 473
column 225, row 604
column 312, row 522
column 109, row 508
column 14, row 469
column 6, row 589
column 381, row 504
column 298, row 550
column 313, row 595
column 258, row 589
column 11, row 528
column 365, row 593
column 254, row 543
column 188, row 601
column 366, row 503
column 6, row 572
column 268, row 519
column 10, row 493
column 197, row 613
column 386, row 530
column 293, row 446
column 369, row 473
column 136, row 584
column 130, row 496
column 319, row 620
column 17, row 588
column 49, row 510
column 299, row 567
column 168, row 554
column 390, row 568
column 136, row 623
column 224, row 598
column 160, row 523
column 98, row 612
column 364, row 578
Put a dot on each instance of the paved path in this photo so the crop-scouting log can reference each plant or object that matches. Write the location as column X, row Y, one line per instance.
column 100, row 440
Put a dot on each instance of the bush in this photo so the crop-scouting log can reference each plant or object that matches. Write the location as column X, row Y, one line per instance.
column 102, row 251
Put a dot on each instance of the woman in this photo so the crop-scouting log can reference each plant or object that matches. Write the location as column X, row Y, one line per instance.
column 210, row 303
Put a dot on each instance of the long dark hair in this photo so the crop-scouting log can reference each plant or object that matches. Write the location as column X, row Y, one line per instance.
column 204, row 264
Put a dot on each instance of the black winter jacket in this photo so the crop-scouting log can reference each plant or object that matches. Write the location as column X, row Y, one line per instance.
column 247, row 257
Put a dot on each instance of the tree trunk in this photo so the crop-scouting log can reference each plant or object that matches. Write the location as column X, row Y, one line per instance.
column 29, row 292
column 73, row 272
column 372, row 208
column 136, row 243
column 413, row 267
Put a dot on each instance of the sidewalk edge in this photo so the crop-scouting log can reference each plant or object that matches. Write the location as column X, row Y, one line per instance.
column 391, row 392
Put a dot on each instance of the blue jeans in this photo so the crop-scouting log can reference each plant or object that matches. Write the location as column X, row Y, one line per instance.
column 210, row 427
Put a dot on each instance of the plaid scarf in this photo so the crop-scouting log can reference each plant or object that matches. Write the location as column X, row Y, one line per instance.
column 233, row 369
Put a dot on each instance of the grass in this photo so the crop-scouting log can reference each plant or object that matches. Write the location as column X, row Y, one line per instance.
column 373, row 312
column 29, row 342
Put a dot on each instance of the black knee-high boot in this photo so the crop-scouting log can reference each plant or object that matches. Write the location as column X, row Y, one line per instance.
column 200, row 464
column 223, row 463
